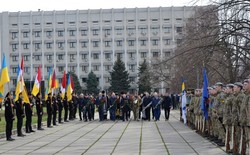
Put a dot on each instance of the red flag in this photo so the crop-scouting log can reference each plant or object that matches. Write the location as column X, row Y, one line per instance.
column 39, row 74
column 72, row 82
column 53, row 83
column 64, row 80
column 22, row 64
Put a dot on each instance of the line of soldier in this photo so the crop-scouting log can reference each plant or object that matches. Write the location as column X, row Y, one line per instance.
column 228, row 122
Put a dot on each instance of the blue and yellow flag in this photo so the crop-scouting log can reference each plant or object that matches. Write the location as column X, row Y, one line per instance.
column 69, row 89
column 184, row 102
column 4, row 76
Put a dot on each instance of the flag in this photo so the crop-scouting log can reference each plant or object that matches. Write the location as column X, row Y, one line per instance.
column 53, row 82
column 48, row 87
column 4, row 77
column 36, row 87
column 69, row 89
column 57, row 84
column 184, row 102
column 205, row 95
column 63, row 85
column 20, row 88
column 72, row 83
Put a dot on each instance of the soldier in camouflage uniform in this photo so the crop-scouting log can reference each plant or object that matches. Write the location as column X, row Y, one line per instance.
column 238, row 98
column 218, row 114
column 197, row 101
column 211, row 120
column 191, row 111
column 245, row 119
column 227, row 115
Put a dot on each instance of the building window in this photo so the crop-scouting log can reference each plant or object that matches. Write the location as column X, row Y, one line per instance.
column 60, row 56
column 26, row 46
column 37, row 46
column 155, row 54
column 118, row 31
column 84, row 56
column 132, row 79
column 155, row 30
column 49, row 34
column 84, row 80
column 14, row 58
column 72, row 57
column 14, row 47
column 48, row 45
column 155, row 42
column 132, row 67
column 49, row 57
column 26, row 70
column 143, row 31
column 107, row 79
column 119, row 55
column 143, row 54
column 26, row 57
column 14, row 69
column 72, row 32
column 72, row 68
column 167, row 41
column 107, row 43
column 14, row 35
column 143, row 42
column 84, row 68
column 60, row 69
column 179, row 29
column 37, row 57
column 131, row 31
column 108, row 67
column 167, row 53
column 131, row 55
column 107, row 55
column 107, row 31
column 60, row 45
column 131, row 42
column 95, row 67
column 119, row 42
column 37, row 33
column 60, row 33
column 166, row 29
column 84, row 44
column 83, row 32
column 95, row 43
column 95, row 32
column 72, row 44
column 25, row 34
column 95, row 56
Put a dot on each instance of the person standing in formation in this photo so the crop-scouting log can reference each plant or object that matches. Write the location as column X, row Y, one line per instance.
column 9, row 115
column 166, row 105
column 20, row 115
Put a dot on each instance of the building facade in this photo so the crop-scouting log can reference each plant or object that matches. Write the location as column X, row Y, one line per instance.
column 83, row 40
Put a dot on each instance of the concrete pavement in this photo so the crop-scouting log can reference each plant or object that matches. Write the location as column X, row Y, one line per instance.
column 118, row 138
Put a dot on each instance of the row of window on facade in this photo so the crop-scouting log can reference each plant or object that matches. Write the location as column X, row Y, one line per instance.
column 95, row 32
column 96, row 44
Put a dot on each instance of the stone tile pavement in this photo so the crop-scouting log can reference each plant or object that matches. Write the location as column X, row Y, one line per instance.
column 117, row 138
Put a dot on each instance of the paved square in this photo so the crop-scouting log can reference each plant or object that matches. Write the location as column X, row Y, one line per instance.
column 117, row 138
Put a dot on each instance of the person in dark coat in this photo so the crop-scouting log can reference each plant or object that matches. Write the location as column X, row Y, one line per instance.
column 55, row 109
column 28, row 113
column 166, row 105
column 39, row 111
column 66, row 108
column 20, row 115
column 49, row 110
column 60, row 107
column 9, row 115
column 80, row 103
column 147, row 105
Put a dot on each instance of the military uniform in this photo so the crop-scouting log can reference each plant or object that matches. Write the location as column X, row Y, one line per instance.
column 55, row 109
column 49, row 111
column 39, row 112
column 20, row 116
column 66, row 108
column 28, row 113
column 9, row 117
column 60, row 107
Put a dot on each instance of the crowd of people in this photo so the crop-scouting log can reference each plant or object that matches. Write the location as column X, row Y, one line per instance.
column 61, row 110
column 228, row 115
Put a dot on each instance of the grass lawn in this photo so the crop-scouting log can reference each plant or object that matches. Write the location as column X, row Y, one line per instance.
column 34, row 120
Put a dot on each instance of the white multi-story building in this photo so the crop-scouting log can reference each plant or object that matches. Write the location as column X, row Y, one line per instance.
column 85, row 40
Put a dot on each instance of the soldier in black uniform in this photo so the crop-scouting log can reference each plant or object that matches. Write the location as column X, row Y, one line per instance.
column 39, row 111
column 28, row 113
column 66, row 108
column 49, row 110
column 75, row 98
column 20, row 115
column 55, row 108
column 9, row 115
column 60, row 107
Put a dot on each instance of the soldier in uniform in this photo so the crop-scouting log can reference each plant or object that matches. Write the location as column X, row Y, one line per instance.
column 147, row 105
column 227, row 115
column 55, row 108
column 71, row 107
column 239, row 95
column 100, row 103
column 28, row 113
column 135, row 106
column 124, row 107
column 80, row 105
column 49, row 110
column 211, row 119
column 245, row 120
column 197, row 101
column 218, row 112
column 20, row 115
column 166, row 105
column 9, row 115
column 66, row 108
column 39, row 111
column 112, row 106
column 60, row 107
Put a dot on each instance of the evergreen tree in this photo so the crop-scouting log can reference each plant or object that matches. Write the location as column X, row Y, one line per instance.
column 119, row 77
column 92, row 83
column 144, row 82
column 77, row 86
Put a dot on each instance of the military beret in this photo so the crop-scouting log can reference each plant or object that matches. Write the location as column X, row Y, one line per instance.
column 219, row 84
column 230, row 85
column 210, row 88
column 239, row 84
column 246, row 80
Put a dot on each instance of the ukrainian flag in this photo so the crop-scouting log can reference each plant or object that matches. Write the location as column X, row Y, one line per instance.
column 4, row 76
column 69, row 89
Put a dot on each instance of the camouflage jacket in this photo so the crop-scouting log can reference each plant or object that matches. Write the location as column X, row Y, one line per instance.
column 244, row 111
column 218, row 104
column 227, row 109
column 238, row 99
column 197, row 107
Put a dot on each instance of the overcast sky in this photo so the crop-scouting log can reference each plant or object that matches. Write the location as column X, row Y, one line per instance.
column 34, row 5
